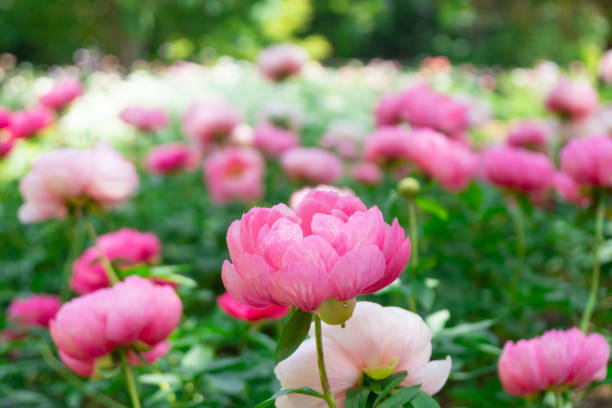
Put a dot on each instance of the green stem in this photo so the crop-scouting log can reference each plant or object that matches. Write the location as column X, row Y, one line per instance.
column 519, row 230
column 329, row 397
column 598, row 238
column 108, row 268
column 558, row 400
column 130, row 380
column 75, row 247
column 414, row 255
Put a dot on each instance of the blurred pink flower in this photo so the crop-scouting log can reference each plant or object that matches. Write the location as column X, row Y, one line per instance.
column 518, row 169
column 26, row 123
column 331, row 247
column 589, row 161
column 311, row 165
column 5, row 117
column 63, row 92
column 172, row 158
column 70, row 177
column 234, row 174
column 124, row 248
column 576, row 99
column 281, row 61
column 145, row 119
column 556, row 359
column 530, row 134
column 388, row 110
column 367, row 173
column 274, row 140
column 35, row 310
column 569, row 190
column 7, row 142
column 299, row 195
column 377, row 341
column 346, row 138
column 234, row 308
column 210, row 121
column 134, row 312
column 388, row 145
column 605, row 67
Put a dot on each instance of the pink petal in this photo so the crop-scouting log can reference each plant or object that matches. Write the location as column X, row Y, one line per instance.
column 358, row 269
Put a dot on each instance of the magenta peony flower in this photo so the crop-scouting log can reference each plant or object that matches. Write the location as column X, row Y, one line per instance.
column 35, row 310
column 26, row 123
column 144, row 119
column 311, row 165
column 529, row 134
column 605, row 67
column 274, row 140
column 331, row 247
column 65, row 178
column 589, row 161
column 7, row 142
column 388, row 110
column 518, row 169
column 556, row 359
column 569, row 190
column 234, row 174
column 299, row 195
column 281, row 61
column 377, row 341
column 125, row 248
column 5, row 117
column 388, row 145
column 346, row 138
column 576, row 99
column 367, row 173
column 134, row 313
column 64, row 91
column 210, row 121
column 171, row 158
column 240, row 311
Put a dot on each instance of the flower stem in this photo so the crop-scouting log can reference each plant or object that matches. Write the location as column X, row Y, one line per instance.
column 559, row 400
column 414, row 255
column 598, row 238
column 75, row 246
column 130, row 380
column 108, row 268
column 519, row 230
column 329, row 397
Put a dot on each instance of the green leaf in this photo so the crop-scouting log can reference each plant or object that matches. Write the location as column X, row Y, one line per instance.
column 195, row 360
column 390, row 384
column 437, row 320
column 292, row 334
column 304, row 391
column 160, row 379
column 423, row 400
column 402, row 396
column 357, row 398
column 433, row 207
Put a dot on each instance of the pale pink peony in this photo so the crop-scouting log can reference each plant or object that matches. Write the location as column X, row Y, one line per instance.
column 28, row 122
column 518, row 169
column 69, row 177
column 5, row 117
column 210, row 122
column 589, row 161
column 554, row 360
column 299, row 195
column 531, row 135
column 331, row 247
column 569, row 190
column 377, row 341
column 234, row 308
column 172, row 158
column 367, row 173
column 144, row 119
column 234, row 174
column 35, row 310
column 346, row 138
column 576, row 99
column 274, row 140
column 311, row 165
column 281, row 61
column 124, row 248
column 63, row 92
column 388, row 110
column 388, row 145
column 605, row 67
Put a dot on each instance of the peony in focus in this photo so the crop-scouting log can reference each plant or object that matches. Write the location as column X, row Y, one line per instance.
column 311, row 165
column 171, row 158
column 298, row 196
column 530, row 135
column 28, row 122
column 274, row 140
column 588, row 161
column 144, row 119
column 331, row 247
column 554, row 360
column 377, row 341
column 234, row 174
column 133, row 313
column 243, row 312
column 35, row 310
column 210, row 121
column 124, row 248
column 67, row 178
column 281, row 61
column 518, row 169
column 63, row 92
column 575, row 99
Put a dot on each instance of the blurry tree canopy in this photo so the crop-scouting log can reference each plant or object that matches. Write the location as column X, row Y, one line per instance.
column 484, row 32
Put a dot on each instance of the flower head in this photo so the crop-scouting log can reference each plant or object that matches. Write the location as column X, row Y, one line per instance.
column 576, row 99
column 35, row 310
column 281, row 61
column 234, row 308
column 298, row 196
column 311, row 165
column 367, row 173
column 26, row 123
column 172, row 158
column 210, row 121
column 530, row 135
column 518, row 169
column 144, row 119
column 589, row 161
column 274, row 140
column 63, row 92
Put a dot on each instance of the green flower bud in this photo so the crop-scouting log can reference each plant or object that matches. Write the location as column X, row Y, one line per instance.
column 409, row 187
column 334, row 311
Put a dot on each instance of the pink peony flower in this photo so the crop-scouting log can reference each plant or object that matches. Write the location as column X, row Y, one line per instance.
column 556, row 359
column 298, row 196
column 171, row 158
column 569, row 190
column 331, row 247
column 133, row 313
column 26, row 123
column 605, row 67
column 377, row 341
column 589, row 161
column 234, row 174
column 7, row 142
column 576, row 99
column 273, row 140
column 530, row 135
column 240, row 311
column 145, row 119
column 210, row 121
column 69, row 177
column 388, row 145
column 388, row 110
column 282, row 115
column 346, row 138
column 64, row 91
column 281, row 61
column 125, row 248
column 367, row 173
column 311, row 165
column 5, row 117
column 35, row 310
column 518, row 169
